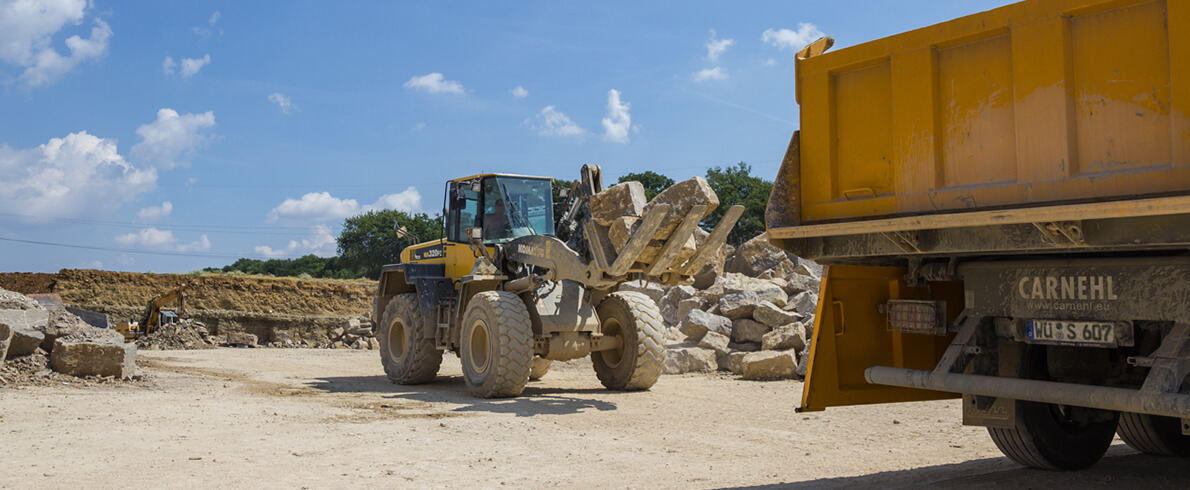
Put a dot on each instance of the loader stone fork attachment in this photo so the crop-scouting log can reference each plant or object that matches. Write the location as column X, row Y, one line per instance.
column 563, row 263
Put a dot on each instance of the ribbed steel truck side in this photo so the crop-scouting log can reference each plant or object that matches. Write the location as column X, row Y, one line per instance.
column 1003, row 204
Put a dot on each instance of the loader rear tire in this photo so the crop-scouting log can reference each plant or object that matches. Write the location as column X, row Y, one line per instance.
column 637, row 364
column 407, row 351
column 1154, row 434
column 1047, row 436
column 497, row 345
column 540, row 368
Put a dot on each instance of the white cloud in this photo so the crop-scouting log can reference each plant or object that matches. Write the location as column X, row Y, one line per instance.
column 162, row 240
column 205, row 31
column 552, row 122
column 408, row 200
column 172, row 138
column 314, row 206
column 94, row 264
column 155, row 213
column 202, row 245
column 77, row 175
column 435, row 84
column 282, row 102
column 419, row 126
column 617, row 121
column 519, row 92
column 769, row 62
column 27, row 29
column 125, row 260
column 716, row 73
column 168, row 66
column 191, row 66
column 317, row 207
column 320, row 242
column 148, row 237
column 805, row 34
column 716, row 47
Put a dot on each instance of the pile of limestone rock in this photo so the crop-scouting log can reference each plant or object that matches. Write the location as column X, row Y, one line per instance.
column 752, row 314
column 30, row 333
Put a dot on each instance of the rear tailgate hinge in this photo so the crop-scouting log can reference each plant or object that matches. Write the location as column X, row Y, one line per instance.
column 1062, row 232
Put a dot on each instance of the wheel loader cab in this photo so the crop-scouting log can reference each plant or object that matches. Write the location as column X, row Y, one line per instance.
column 498, row 208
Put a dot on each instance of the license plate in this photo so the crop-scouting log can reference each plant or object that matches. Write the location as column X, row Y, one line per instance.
column 1063, row 332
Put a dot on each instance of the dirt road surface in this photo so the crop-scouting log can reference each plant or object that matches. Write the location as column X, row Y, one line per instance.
column 271, row 418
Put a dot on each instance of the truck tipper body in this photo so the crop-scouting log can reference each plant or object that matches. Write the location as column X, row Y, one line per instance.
column 1003, row 204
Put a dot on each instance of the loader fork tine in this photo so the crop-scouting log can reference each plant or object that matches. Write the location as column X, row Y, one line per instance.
column 677, row 240
column 639, row 241
column 717, row 238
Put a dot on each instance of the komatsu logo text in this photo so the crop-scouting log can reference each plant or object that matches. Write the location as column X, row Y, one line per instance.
column 531, row 250
column 1067, row 287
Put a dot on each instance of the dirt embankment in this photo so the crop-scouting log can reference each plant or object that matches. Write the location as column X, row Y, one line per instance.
column 270, row 308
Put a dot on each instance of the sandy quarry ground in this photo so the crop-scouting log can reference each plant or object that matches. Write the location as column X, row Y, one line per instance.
column 318, row 418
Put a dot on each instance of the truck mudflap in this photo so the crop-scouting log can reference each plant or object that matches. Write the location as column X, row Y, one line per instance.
column 851, row 334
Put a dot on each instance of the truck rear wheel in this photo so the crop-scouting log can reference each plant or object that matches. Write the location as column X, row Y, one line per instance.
column 1054, row 437
column 636, row 365
column 406, row 350
column 1154, row 434
column 541, row 366
column 497, row 345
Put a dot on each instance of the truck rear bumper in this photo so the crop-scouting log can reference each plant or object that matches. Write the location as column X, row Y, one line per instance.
column 1120, row 399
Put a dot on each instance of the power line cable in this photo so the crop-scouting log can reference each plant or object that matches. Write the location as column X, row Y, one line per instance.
column 134, row 251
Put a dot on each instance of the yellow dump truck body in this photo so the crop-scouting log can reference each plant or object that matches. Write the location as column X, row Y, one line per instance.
column 1039, row 102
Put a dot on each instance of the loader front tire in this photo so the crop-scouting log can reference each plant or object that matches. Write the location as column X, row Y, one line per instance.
column 407, row 351
column 636, row 365
column 497, row 345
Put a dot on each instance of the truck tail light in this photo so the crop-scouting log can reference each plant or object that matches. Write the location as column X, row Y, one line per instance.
column 914, row 316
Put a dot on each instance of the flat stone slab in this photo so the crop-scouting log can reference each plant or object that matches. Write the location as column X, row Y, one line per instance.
column 93, row 359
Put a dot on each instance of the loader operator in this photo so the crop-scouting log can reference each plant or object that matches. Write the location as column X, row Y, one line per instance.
column 495, row 224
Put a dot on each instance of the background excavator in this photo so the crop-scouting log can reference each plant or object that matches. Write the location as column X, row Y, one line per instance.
column 155, row 315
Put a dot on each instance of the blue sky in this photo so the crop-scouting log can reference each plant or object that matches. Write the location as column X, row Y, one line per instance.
column 171, row 136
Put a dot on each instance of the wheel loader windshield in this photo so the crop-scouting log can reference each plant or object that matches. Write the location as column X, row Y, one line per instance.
column 514, row 207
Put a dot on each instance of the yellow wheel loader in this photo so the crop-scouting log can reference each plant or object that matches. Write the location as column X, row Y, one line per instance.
column 510, row 288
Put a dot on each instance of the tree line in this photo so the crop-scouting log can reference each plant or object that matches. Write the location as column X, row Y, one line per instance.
column 370, row 240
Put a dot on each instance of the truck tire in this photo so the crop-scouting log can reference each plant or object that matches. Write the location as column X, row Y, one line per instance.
column 540, row 368
column 1154, row 434
column 1045, row 436
column 407, row 351
column 497, row 350
column 637, row 364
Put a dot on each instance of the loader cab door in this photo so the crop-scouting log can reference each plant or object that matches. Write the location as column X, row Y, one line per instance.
column 499, row 208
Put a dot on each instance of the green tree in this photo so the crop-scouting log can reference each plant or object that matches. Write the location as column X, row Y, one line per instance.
column 654, row 182
column 737, row 185
column 370, row 240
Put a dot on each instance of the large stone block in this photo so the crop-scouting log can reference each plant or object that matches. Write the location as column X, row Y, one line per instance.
column 805, row 303
column 5, row 340
column 623, row 199
column 716, row 342
column 28, row 330
column 620, row 231
column 733, row 362
column 791, row 336
column 670, row 303
column 689, row 359
column 698, row 323
column 739, row 305
column 770, row 365
column 770, row 314
column 755, row 256
column 82, row 358
column 748, row 330
column 682, row 197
